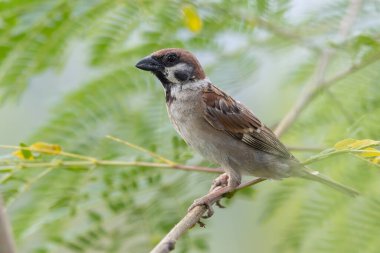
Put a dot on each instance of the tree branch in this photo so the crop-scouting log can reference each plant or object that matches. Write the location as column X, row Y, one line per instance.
column 167, row 244
column 313, row 87
column 6, row 239
column 312, row 90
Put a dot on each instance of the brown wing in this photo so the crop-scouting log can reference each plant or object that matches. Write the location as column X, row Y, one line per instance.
column 226, row 114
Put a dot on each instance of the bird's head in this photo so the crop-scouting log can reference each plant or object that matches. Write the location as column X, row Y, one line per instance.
column 173, row 66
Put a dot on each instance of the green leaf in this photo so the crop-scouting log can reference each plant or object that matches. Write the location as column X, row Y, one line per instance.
column 26, row 154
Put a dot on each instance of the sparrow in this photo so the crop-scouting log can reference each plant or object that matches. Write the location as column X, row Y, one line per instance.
column 222, row 129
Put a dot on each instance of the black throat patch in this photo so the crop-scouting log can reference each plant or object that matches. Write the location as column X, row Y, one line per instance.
column 164, row 81
column 167, row 86
column 168, row 95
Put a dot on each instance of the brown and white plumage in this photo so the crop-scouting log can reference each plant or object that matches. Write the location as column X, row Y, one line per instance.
column 220, row 128
column 226, row 114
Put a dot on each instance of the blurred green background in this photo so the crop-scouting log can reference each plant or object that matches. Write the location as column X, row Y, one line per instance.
column 67, row 77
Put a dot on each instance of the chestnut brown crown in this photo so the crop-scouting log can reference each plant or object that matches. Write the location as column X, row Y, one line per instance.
column 173, row 66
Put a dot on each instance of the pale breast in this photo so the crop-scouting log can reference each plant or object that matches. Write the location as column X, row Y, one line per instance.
column 185, row 112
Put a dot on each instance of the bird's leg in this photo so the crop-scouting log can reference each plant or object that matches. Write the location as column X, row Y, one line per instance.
column 220, row 181
column 219, row 188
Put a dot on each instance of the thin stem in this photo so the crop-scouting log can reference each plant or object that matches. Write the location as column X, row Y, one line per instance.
column 78, row 164
column 144, row 150
column 304, row 149
column 323, row 156
column 88, row 160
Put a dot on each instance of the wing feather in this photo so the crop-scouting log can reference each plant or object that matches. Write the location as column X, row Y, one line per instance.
column 225, row 114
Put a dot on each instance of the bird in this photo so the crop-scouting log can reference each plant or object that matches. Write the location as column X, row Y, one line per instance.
column 222, row 129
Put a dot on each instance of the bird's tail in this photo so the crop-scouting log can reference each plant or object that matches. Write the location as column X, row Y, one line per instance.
column 316, row 176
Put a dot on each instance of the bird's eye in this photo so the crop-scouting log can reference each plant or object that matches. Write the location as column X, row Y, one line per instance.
column 171, row 58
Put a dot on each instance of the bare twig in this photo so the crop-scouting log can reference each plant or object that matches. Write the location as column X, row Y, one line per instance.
column 313, row 87
column 167, row 244
column 351, row 70
column 250, row 183
column 348, row 20
column 6, row 239
column 304, row 149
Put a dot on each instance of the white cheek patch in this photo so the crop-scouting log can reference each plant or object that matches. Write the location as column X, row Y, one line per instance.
column 176, row 90
column 169, row 71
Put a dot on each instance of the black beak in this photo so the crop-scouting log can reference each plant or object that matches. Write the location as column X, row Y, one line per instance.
column 149, row 64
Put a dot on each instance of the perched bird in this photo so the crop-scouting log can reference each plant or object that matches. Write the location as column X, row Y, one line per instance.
column 220, row 128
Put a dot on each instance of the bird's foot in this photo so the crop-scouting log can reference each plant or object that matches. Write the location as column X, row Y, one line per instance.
column 221, row 186
column 211, row 198
column 220, row 181
column 203, row 201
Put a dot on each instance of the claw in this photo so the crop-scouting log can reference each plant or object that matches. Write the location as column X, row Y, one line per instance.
column 203, row 202
column 201, row 224
column 210, row 212
column 219, row 204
